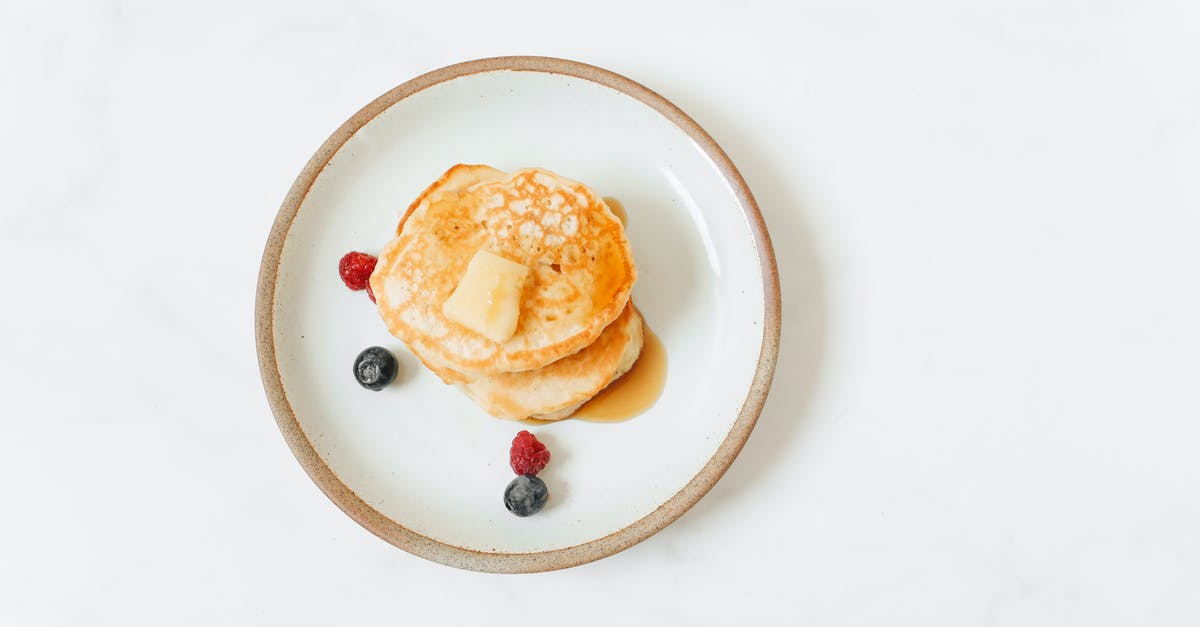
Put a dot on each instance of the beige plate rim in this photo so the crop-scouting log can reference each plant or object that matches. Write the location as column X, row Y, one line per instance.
column 460, row 557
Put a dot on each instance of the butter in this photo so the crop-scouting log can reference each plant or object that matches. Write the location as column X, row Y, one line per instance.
column 488, row 298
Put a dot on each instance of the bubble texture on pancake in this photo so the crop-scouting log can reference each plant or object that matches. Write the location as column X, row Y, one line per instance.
column 555, row 391
column 581, row 268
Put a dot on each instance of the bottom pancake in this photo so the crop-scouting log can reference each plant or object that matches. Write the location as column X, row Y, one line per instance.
column 556, row 391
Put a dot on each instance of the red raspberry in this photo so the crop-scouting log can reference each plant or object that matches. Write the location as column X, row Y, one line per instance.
column 356, row 269
column 370, row 293
column 528, row 456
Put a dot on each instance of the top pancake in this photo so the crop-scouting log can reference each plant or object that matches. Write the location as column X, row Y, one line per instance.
column 581, row 268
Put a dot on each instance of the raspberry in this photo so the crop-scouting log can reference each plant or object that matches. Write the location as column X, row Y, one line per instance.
column 528, row 456
column 370, row 293
column 356, row 269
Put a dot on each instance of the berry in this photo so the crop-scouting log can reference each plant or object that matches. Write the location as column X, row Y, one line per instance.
column 527, row 456
column 526, row 495
column 375, row 367
column 370, row 293
column 355, row 269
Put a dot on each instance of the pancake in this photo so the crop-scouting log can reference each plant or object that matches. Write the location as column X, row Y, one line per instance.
column 555, row 391
column 580, row 261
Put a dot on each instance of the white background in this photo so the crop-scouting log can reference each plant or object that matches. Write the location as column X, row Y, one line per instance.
column 986, row 410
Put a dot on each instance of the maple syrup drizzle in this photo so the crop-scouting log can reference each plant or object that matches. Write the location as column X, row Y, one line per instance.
column 617, row 208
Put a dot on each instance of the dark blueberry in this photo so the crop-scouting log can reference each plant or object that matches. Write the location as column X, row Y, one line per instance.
column 375, row 368
column 526, row 495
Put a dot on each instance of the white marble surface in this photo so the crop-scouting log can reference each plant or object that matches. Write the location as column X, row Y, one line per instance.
column 986, row 411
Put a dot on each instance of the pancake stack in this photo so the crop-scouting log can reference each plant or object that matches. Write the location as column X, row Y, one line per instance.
column 576, row 329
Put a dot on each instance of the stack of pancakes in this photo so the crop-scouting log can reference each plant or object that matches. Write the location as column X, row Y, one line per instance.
column 577, row 330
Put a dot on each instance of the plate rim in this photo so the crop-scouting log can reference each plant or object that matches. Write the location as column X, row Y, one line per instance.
column 461, row 557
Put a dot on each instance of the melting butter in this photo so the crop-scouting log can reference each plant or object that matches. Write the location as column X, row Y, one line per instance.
column 488, row 298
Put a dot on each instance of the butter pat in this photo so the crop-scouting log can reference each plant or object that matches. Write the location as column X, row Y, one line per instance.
column 488, row 298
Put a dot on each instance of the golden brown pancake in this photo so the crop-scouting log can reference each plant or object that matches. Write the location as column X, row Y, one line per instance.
column 555, row 391
column 581, row 267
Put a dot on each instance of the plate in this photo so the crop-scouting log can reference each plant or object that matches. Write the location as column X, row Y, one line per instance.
column 420, row 465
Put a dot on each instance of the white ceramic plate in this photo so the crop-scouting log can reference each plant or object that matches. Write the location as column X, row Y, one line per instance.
column 419, row 464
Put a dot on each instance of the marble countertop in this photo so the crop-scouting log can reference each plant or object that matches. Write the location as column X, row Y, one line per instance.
column 986, row 219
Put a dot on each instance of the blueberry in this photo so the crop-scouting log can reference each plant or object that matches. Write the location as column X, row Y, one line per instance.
column 526, row 495
column 375, row 367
